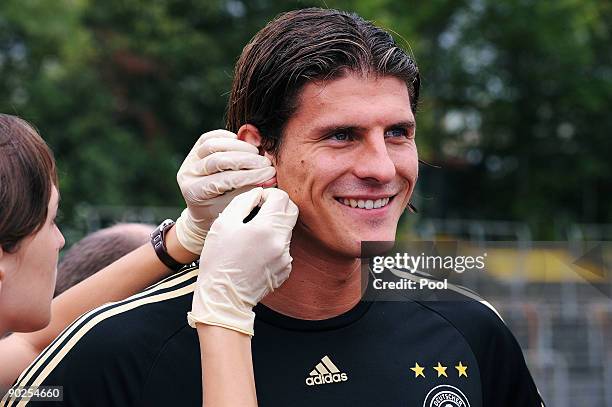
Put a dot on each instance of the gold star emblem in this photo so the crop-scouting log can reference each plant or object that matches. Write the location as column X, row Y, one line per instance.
column 441, row 370
column 418, row 370
column 461, row 369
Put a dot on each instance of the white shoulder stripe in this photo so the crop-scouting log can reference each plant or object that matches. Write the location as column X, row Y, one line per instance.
column 475, row 297
column 453, row 287
column 493, row 309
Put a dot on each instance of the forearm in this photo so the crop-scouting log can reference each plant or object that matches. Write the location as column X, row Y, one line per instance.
column 125, row 277
column 227, row 367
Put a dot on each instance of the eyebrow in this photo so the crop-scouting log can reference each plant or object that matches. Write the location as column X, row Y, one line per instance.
column 409, row 124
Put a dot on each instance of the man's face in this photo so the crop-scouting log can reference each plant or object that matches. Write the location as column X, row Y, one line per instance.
column 349, row 160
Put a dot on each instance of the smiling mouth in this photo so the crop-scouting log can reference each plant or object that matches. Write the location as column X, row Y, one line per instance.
column 365, row 203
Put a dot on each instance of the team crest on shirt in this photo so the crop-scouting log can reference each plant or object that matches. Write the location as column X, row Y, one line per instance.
column 445, row 395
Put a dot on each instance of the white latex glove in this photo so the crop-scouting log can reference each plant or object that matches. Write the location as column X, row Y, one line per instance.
column 243, row 262
column 218, row 168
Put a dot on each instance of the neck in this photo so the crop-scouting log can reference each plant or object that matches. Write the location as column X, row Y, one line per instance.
column 320, row 286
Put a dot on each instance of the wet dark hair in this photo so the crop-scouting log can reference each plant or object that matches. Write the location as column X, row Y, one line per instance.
column 27, row 174
column 308, row 45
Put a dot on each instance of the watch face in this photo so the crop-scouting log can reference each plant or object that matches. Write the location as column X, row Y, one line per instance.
column 166, row 224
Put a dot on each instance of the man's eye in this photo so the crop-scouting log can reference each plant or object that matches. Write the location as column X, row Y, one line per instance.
column 396, row 133
column 341, row 136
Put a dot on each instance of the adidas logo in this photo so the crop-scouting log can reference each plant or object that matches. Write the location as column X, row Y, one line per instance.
column 325, row 372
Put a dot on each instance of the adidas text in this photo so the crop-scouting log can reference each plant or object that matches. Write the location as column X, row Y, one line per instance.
column 326, row 378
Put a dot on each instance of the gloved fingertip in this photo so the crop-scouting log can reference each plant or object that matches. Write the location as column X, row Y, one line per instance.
column 267, row 161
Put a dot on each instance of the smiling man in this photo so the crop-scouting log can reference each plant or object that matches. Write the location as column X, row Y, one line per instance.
column 330, row 99
column 349, row 161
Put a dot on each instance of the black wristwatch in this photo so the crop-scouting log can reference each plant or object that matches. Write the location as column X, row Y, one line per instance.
column 158, row 240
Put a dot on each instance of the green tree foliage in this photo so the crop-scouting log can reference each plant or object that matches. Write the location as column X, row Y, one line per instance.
column 513, row 108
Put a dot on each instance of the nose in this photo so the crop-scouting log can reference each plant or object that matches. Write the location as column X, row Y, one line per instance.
column 373, row 161
column 62, row 240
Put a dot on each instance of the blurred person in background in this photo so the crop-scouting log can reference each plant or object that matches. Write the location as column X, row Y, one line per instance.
column 97, row 250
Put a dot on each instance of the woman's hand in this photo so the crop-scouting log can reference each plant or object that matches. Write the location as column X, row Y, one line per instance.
column 242, row 262
column 218, row 168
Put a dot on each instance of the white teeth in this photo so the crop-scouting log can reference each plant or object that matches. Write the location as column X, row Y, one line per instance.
column 365, row 203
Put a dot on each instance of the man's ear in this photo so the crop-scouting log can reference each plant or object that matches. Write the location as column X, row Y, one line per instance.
column 250, row 134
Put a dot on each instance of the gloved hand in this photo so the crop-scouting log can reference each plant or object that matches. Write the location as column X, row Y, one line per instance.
column 218, row 168
column 243, row 262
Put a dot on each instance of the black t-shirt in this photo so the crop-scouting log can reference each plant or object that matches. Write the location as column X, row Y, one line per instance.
column 141, row 352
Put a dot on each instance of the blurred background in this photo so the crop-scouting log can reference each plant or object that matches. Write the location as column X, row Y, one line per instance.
column 513, row 114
